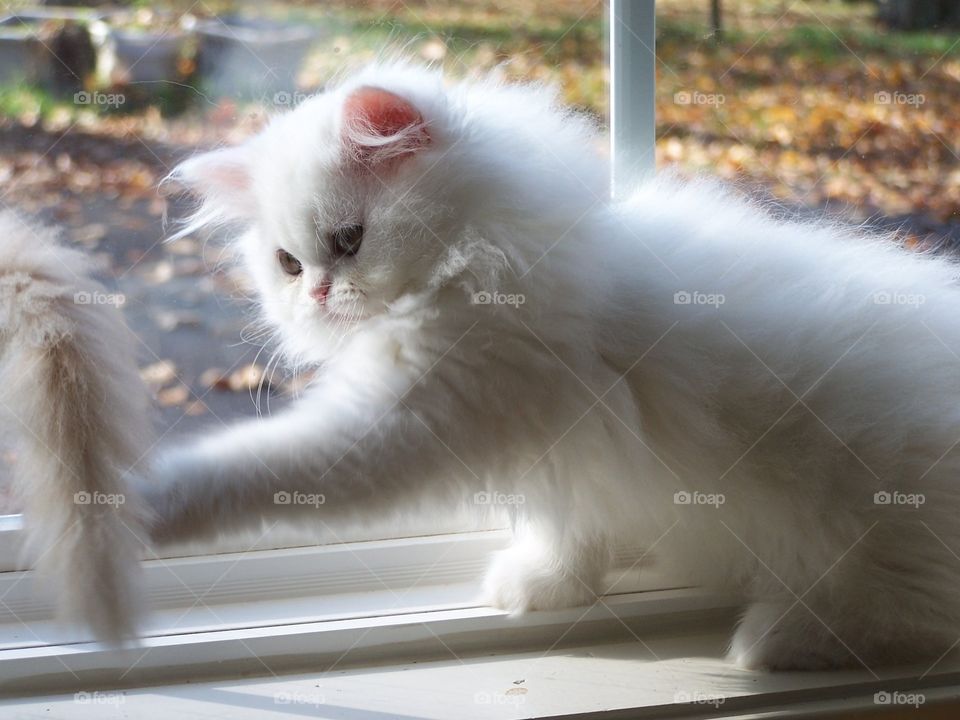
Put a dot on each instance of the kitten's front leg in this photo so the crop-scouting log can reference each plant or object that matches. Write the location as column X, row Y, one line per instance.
column 309, row 464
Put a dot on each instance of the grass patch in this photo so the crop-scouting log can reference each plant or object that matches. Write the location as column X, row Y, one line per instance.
column 20, row 99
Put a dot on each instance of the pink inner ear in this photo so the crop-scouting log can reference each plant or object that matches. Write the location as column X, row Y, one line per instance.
column 222, row 177
column 371, row 113
column 229, row 176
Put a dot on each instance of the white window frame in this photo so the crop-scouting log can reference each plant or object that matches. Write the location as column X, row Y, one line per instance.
column 633, row 64
column 263, row 611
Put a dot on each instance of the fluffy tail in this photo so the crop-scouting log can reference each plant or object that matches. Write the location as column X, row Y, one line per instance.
column 69, row 382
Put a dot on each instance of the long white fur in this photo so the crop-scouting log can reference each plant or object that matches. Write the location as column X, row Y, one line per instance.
column 602, row 394
column 72, row 396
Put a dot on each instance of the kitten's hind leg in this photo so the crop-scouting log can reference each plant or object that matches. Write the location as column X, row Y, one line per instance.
column 543, row 570
column 786, row 635
column 889, row 601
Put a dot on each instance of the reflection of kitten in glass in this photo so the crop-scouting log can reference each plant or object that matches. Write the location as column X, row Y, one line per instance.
column 680, row 368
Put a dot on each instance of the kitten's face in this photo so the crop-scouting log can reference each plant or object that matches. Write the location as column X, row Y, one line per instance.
column 345, row 216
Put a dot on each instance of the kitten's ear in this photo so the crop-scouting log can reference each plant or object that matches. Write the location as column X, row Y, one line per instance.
column 379, row 125
column 223, row 178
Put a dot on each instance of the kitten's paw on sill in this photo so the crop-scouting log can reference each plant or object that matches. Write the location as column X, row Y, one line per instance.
column 519, row 581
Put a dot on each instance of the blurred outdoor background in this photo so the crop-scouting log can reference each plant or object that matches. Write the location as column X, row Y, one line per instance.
column 845, row 106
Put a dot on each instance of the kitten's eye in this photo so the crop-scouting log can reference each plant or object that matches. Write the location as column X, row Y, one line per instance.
column 290, row 265
column 346, row 240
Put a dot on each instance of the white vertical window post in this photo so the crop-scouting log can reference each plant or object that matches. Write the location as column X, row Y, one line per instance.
column 632, row 82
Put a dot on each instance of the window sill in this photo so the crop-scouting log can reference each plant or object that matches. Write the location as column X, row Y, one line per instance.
column 358, row 614
column 665, row 662
column 233, row 612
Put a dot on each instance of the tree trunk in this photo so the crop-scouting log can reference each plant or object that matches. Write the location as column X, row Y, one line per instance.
column 716, row 20
column 919, row 14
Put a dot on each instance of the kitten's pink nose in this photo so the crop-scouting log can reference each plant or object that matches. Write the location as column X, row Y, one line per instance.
column 320, row 292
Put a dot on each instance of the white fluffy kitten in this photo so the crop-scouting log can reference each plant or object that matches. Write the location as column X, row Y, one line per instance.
column 680, row 368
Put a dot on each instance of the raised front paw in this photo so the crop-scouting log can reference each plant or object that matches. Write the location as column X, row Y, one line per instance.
column 174, row 500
